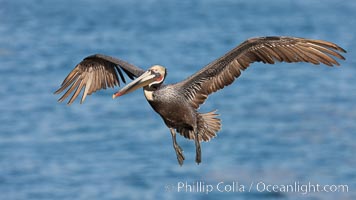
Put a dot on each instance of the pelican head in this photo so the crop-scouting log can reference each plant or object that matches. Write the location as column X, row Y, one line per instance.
column 155, row 75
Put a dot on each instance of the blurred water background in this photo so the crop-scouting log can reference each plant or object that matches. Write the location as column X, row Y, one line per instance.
column 282, row 123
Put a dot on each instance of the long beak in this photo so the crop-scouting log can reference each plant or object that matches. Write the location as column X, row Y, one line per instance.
column 145, row 79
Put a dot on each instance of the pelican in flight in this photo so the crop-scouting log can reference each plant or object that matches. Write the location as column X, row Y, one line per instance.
column 178, row 103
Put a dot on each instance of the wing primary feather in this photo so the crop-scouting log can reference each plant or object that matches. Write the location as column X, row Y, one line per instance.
column 70, row 76
column 292, row 55
column 309, row 56
column 102, row 78
column 77, row 90
column 112, row 78
column 328, row 44
column 72, row 87
column 87, row 87
column 109, row 78
column 129, row 74
column 327, row 58
column 302, row 56
column 121, row 75
column 327, row 50
column 66, row 84
column 299, row 54
column 321, row 57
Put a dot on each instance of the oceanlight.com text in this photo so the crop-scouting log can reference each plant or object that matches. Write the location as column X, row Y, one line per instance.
column 258, row 186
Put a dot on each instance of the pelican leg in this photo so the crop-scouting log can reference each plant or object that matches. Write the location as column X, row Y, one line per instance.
column 197, row 149
column 177, row 148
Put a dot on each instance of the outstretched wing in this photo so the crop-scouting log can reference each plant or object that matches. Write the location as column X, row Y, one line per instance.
column 96, row 72
column 224, row 70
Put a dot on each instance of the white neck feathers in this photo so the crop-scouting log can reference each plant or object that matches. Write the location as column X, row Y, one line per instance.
column 148, row 94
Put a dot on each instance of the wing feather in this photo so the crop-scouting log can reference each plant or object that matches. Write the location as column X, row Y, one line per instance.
column 226, row 69
column 70, row 90
column 79, row 88
column 87, row 87
column 96, row 72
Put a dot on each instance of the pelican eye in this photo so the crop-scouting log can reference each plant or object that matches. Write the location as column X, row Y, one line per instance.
column 154, row 71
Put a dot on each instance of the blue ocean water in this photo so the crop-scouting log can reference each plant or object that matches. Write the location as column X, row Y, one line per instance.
column 283, row 124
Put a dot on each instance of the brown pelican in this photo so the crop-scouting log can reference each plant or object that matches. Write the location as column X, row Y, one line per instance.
column 178, row 103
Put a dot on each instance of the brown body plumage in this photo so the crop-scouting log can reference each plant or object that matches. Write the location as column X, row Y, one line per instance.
column 178, row 103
